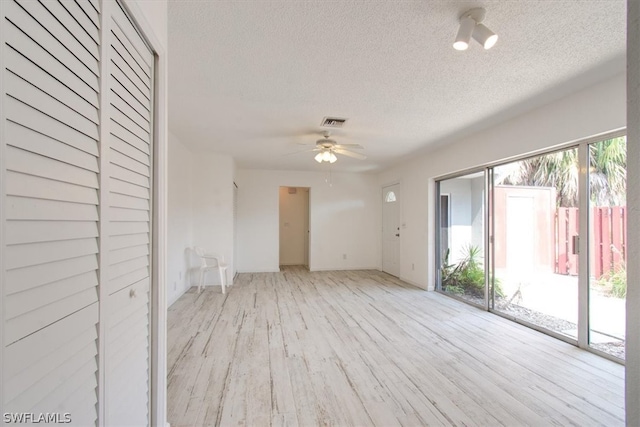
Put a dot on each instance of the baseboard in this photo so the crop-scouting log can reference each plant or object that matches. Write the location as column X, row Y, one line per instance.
column 345, row 269
column 176, row 298
column 412, row 283
column 261, row 271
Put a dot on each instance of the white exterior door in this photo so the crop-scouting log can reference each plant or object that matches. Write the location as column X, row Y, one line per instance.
column 391, row 230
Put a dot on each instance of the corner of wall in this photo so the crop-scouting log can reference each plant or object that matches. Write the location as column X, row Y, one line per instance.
column 180, row 218
column 632, row 367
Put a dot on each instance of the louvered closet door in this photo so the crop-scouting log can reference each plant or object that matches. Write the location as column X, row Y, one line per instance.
column 50, row 67
column 129, row 228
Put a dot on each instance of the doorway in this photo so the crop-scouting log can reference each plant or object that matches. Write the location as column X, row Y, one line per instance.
column 391, row 229
column 294, row 226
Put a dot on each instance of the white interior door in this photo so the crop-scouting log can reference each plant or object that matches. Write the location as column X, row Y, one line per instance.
column 391, row 230
column 50, row 150
column 76, row 204
column 129, row 228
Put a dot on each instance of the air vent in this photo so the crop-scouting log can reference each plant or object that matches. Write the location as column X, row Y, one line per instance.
column 333, row 122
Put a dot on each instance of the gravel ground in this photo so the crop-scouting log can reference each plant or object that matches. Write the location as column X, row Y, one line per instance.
column 615, row 348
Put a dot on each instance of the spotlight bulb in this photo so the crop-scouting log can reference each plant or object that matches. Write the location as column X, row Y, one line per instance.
column 467, row 26
column 485, row 36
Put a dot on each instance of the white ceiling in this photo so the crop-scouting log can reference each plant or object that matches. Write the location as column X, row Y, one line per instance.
column 254, row 78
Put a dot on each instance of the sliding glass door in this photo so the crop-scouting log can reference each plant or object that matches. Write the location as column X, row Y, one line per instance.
column 535, row 221
column 555, row 256
column 607, row 245
column 461, row 237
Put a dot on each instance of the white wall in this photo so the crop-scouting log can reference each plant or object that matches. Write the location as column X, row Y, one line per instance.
column 293, row 210
column 212, row 187
column 179, row 218
column 345, row 219
column 595, row 110
column 633, row 220
column 155, row 14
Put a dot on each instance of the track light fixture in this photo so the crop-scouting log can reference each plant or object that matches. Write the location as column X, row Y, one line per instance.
column 471, row 26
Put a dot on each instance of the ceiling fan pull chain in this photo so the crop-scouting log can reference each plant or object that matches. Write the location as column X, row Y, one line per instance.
column 328, row 177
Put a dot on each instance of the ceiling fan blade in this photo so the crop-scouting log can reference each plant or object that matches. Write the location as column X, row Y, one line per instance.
column 350, row 154
column 303, row 151
column 350, row 146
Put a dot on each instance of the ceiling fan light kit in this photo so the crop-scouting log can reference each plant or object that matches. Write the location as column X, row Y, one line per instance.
column 328, row 148
column 326, row 155
column 471, row 26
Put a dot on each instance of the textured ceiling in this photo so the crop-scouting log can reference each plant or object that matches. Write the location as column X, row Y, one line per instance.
column 254, row 78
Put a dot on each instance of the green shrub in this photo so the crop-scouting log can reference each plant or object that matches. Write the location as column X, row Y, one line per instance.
column 615, row 283
column 467, row 276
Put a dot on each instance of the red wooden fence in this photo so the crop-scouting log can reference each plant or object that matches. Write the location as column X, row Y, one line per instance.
column 607, row 237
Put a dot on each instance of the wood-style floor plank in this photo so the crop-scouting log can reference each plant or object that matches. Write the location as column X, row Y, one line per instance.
column 362, row 348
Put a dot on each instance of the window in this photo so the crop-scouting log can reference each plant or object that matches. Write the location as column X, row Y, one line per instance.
column 390, row 197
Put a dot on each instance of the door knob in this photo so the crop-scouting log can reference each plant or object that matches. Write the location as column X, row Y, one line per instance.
column 398, row 235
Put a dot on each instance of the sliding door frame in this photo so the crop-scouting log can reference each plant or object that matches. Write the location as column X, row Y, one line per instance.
column 582, row 146
column 438, row 219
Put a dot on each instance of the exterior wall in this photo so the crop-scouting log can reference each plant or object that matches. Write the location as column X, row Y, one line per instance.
column 460, row 202
column 543, row 214
column 477, row 211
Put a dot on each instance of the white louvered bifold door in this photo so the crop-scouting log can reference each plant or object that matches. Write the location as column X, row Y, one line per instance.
column 129, row 225
column 51, row 82
column 76, row 212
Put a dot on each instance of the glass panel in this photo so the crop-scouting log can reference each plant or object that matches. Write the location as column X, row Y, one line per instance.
column 535, row 218
column 607, row 245
column 461, row 248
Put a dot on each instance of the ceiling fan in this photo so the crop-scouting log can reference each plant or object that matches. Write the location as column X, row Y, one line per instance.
column 328, row 148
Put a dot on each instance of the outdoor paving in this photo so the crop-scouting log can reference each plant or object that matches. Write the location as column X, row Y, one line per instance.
column 557, row 295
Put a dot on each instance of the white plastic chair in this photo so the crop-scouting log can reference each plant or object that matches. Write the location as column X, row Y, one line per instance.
column 211, row 262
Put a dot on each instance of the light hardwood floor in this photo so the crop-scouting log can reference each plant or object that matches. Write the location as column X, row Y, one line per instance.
column 362, row 348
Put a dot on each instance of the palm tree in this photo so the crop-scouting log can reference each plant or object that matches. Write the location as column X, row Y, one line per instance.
column 607, row 174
